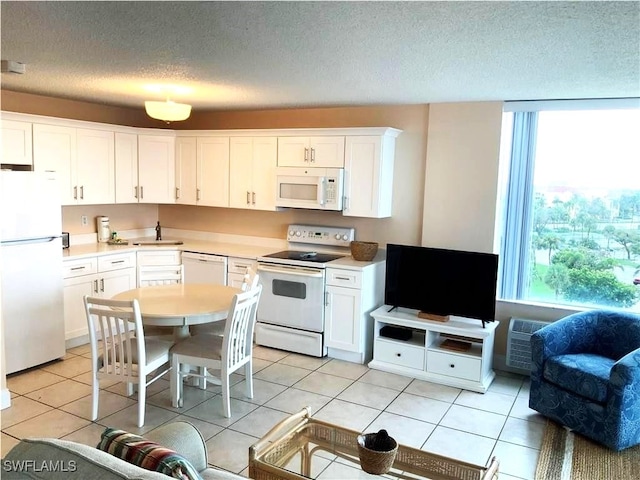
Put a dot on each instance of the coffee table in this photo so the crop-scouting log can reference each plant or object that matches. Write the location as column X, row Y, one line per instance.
column 292, row 447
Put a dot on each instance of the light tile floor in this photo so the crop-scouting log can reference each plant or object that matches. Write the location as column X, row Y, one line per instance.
column 55, row 401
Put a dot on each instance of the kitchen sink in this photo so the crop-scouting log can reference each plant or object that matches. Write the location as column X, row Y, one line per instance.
column 158, row 242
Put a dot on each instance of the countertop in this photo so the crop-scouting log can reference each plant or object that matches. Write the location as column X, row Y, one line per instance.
column 216, row 248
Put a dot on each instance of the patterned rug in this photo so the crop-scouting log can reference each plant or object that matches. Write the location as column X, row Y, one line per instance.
column 568, row 456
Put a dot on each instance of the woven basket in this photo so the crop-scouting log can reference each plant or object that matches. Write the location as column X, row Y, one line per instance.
column 363, row 251
column 373, row 461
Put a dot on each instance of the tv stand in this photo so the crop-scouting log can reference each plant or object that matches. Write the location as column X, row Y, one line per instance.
column 457, row 353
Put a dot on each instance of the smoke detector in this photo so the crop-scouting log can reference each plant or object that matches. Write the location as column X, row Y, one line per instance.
column 9, row 66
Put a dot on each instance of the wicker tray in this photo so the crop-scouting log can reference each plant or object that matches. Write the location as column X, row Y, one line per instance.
column 275, row 456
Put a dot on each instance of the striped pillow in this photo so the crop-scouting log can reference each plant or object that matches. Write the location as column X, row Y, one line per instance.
column 146, row 454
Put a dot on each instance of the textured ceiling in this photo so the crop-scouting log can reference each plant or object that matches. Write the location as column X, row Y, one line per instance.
column 239, row 55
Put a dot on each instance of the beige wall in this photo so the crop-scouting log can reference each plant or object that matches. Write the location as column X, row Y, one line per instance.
column 121, row 217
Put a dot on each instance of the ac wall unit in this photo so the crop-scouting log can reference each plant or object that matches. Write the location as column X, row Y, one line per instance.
column 518, row 342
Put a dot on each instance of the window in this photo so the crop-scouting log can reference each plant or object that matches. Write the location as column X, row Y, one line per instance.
column 571, row 212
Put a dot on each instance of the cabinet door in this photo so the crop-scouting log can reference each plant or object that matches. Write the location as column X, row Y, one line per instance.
column 116, row 281
column 213, row 171
column 240, row 172
column 326, row 152
column 17, row 143
column 95, row 164
column 342, row 318
column 368, row 178
column 265, row 157
column 54, row 152
column 293, row 151
column 186, row 171
column 75, row 317
column 126, row 161
column 156, row 169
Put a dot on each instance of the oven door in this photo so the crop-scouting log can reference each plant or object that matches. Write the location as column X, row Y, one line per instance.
column 292, row 296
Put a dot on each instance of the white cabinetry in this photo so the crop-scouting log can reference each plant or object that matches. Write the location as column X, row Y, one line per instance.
column 156, row 169
column 252, row 173
column 100, row 276
column 163, row 261
column 311, row 152
column 81, row 159
column 126, row 153
column 17, row 143
column 202, row 171
column 433, row 350
column 351, row 295
column 369, row 175
column 237, row 269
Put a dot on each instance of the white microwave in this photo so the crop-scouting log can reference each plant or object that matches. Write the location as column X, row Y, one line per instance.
column 312, row 188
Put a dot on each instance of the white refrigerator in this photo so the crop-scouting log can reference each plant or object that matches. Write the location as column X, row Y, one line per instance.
column 31, row 289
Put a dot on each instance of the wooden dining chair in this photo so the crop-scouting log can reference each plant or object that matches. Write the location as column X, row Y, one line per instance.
column 250, row 281
column 226, row 353
column 123, row 353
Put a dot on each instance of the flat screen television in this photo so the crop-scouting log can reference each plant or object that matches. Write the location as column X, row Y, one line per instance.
column 442, row 282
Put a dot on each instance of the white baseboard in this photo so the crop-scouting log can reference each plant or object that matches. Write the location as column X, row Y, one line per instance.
column 5, row 399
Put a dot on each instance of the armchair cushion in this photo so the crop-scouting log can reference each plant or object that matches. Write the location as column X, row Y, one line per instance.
column 585, row 374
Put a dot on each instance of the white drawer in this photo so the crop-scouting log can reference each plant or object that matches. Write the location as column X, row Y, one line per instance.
column 106, row 263
column 344, row 278
column 160, row 257
column 239, row 265
column 399, row 354
column 78, row 267
column 452, row 365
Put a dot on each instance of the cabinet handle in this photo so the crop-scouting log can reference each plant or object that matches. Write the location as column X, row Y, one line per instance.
column 177, row 193
column 197, row 194
column 81, row 192
column 135, row 192
column 398, row 354
column 95, row 286
column 75, row 192
column 78, row 268
column 248, row 195
column 337, row 277
column 345, row 203
column 326, row 299
column 102, row 284
column 306, row 154
column 452, row 365
column 115, row 261
column 141, row 192
column 253, row 198
column 313, row 155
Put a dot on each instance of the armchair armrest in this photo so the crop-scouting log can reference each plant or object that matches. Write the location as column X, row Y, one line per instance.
column 624, row 382
column 185, row 439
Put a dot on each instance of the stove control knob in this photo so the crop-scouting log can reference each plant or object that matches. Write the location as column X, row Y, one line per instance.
column 291, row 233
column 345, row 237
column 298, row 233
column 338, row 236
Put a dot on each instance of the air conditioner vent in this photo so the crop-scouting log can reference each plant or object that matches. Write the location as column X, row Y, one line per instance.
column 518, row 342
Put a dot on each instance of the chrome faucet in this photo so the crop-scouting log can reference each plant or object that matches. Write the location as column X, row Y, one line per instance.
column 158, row 232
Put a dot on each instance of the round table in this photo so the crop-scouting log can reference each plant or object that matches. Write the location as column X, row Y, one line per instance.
column 181, row 305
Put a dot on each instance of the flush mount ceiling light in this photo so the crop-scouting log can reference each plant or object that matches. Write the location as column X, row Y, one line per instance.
column 168, row 111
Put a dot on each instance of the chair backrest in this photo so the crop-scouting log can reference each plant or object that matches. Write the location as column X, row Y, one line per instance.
column 238, row 331
column 149, row 275
column 110, row 321
column 250, row 280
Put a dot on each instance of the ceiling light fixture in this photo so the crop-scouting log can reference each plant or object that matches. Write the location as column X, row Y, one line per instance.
column 168, row 111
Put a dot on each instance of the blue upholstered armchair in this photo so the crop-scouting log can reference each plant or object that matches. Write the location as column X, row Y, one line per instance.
column 586, row 375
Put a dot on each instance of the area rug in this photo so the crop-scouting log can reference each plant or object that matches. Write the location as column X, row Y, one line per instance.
column 568, row 456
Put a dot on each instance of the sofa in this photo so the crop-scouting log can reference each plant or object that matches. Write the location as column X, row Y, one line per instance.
column 53, row 459
column 586, row 375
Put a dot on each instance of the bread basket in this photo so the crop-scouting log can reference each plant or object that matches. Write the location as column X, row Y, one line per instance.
column 363, row 251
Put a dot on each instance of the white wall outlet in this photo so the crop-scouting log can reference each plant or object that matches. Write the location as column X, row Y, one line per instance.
column 84, row 220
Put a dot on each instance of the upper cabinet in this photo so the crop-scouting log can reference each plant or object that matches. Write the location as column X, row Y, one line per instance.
column 81, row 159
column 126, row 147
column 202, row 171
column 156, row 169
column 16, row 143
column 326, row 152
column 368, row 175
column 252, row 172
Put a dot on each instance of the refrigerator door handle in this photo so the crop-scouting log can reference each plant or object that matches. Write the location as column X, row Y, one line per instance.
column 30, row 240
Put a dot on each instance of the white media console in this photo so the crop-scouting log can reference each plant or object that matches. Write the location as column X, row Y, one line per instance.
column 457, row 353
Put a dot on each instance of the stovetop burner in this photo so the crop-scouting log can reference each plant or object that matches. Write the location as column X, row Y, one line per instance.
column 306, row 256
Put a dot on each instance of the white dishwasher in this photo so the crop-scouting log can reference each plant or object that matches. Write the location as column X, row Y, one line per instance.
column 204, row 268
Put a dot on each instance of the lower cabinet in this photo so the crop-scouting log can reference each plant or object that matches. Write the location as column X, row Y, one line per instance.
column 157, row 259
column 351, row 295
column 102, row 276
column 457, row 353
column 237, row 269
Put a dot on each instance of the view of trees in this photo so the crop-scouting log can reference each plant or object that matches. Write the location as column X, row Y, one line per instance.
column 586, row 250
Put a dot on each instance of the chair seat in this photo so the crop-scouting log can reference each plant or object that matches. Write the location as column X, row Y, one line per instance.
column 584, row 374
column 154, row 350
column 201, row 346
